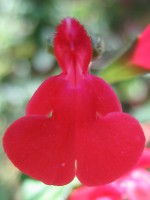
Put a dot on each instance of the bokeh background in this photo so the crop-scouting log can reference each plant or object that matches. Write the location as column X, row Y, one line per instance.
column 25, row 27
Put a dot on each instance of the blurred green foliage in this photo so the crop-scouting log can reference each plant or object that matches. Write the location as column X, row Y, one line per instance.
column 25, row 62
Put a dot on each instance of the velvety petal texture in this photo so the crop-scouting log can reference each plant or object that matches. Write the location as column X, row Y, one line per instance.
column 91, row 94
column 74, row 124
column 114, row 155
column 41, row 148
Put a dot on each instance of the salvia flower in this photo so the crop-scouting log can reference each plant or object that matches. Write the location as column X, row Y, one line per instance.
column 74, row 124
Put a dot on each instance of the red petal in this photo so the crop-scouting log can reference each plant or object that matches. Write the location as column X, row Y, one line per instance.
column 72, row 45
column 108, row 148
column 41, row 148
column 46, row 96
column 90, row 97
column 141, row 53
column 106, row 100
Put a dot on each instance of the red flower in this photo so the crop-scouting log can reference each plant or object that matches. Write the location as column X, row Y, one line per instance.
column 136, row 184
column 74, row 124
column 141, row 51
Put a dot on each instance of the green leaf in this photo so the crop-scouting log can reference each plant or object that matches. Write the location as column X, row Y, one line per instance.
column 117, row 72
column 121, row 68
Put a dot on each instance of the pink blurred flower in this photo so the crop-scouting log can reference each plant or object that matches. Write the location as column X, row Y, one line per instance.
column 136, row 185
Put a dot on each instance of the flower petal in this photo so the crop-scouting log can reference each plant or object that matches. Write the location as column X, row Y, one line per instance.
column 106, row 100
column 108, row 148
column 72, row 45
column 41, row 148
column 92, row 95
column 141, row 52
column 43, row 100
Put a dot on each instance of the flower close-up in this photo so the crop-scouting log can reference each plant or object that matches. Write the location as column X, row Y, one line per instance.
column 74, row 124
